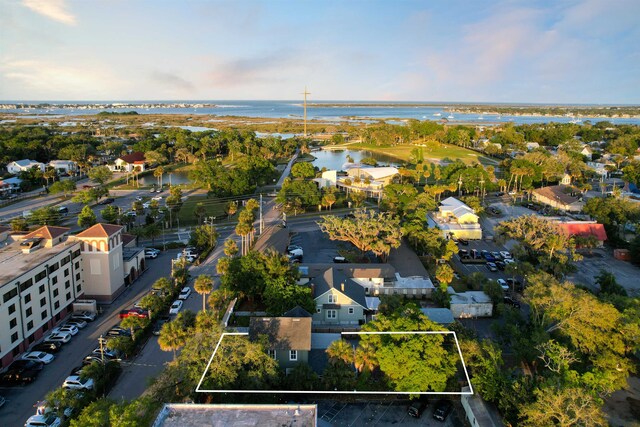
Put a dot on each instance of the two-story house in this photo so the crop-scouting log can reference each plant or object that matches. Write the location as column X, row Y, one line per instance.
column 339, row 299
column 289, row 338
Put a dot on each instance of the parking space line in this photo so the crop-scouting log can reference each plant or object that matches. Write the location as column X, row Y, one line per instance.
column 360, row 414
column 384, row 412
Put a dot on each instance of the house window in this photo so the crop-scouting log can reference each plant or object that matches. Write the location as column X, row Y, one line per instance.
column 55, row 293
column 27, row 298
column 30, row 325
column 13, row 323
column 78, row 288
column 77, row 276
column 293, row 355
column 351, row 310
column 332, row 314
column 41, row 289
column 318, row 309
column 43, row 302
column 332, row 298
column 56, row 305
column 28, row 312
column 14, row 337
column 54, row 281
column 272, row 354
column 12, row 308
column 68, row 296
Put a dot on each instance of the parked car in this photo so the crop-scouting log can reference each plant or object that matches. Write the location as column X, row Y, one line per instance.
column 184, row 293
column 500, row 264
column 175, row 307
column 157, row 198
column 464, row 242
column 107, row 201
column 76, row 382
column 496, row 255
column 88, row 360
column 159, row 323
column 340, row 260
column 77, row 370
column 117, row 331
column 12, row 377
column 22, row 365
column 49, row 420
column 417, row 407
column 442, row 410
column 492, row 267
column 139, row 312
column 39, row 356
column 89, row 316
column 47, row 347
column 78, row 323
column 505, row 254
column 146, row 205
column 293, row 248
column 510, row 301
column 70, row 329
column 188, row 257
column 151, row 253
column 108, row 354
column 514, row 284
column 508, row 261
column 503, row 284
column 61, row 337
column 63, row 210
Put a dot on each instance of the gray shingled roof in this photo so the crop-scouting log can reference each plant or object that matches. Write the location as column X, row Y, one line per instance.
column 332, row 278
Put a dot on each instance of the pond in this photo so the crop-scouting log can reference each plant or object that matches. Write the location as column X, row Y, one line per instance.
column 334, row 160
column 179, row 177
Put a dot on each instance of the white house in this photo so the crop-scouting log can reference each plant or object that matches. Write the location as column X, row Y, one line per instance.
column 456, row 219
column 64, row 166
column 129, row 162
column 470, row 304
column 532, row 146
column 587, row 152
column 23, row 165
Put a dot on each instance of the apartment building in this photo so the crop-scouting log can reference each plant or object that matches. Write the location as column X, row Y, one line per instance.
column 40, row 277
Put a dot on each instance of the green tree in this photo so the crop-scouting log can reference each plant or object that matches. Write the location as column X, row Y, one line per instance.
column 303, row 170
column 367, row 231
column 134, row 323
column 444, row 273
column 110, row 214
column 563, row 407
column 96, row 414
column 230, row 247
column 153, row 303
column 86, row 217
column 45, row 216
column 65, row 187
column 204, row 236
column 100, row 175
column 203, row 285
column 608, row 284
column 19, row 224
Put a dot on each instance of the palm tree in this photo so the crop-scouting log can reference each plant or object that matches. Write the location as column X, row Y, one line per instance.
column 49, row 174
column 340, row 350
column 134, row 322
column 172, row 337
column 203, row 285
column 158, row 174
column 365, row 357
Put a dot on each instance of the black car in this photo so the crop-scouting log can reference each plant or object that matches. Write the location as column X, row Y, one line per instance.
column 159, row 323
column 510, row 301
column 47, row 347
column 500, row 264
column 107, row 201
column 77, row 370
column 118, row 332
column 463, row 242
column 417, row 407
column 442, row 410
column 25, row 365
column 94, row 358
column 14, row 377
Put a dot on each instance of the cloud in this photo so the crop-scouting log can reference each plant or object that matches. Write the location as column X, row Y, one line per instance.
column 173, row 81
column 53, row 9
column 273, row 67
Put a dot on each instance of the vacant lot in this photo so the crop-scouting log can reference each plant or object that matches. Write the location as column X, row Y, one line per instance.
column 442, row 153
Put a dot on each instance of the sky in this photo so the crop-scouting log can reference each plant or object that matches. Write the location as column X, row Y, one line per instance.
column 556, row 51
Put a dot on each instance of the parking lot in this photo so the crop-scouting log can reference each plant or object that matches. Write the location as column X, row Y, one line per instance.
column 382, row 413
column 479, row 245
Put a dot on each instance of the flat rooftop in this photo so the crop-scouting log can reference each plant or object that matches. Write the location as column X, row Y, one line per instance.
column 197, row 415
column 14, row 263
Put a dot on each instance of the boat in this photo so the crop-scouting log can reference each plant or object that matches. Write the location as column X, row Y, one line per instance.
column 450, row 117
column 437, row 114
column 480, row 118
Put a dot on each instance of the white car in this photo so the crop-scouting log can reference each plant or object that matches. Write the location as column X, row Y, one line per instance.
column 49, row 420
column 78, row 323
column 189, row 258
column 74, row 382
column 70, row 329
column 61, row 337
column 505, row 254
column 39, row 356
column 175, row 307
column 89, row 316
column 184, row 293
column 151, row 253
column 139, row 198
column 509, row 261
column 503, row 284
column 146, row 205
column 157, row 198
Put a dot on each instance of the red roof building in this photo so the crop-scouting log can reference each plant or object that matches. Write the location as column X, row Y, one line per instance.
column 584, row 229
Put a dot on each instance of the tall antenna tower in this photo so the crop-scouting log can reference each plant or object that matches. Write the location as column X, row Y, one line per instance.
column 305, row 93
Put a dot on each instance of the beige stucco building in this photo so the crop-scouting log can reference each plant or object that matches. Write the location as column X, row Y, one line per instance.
column 41, row 275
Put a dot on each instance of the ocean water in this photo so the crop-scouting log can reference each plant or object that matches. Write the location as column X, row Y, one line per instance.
column 293, row 109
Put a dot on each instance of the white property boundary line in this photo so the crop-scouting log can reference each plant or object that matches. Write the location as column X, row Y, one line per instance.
column 457, row 393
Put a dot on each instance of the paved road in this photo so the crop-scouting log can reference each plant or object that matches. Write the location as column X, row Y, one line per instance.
column 20, row 400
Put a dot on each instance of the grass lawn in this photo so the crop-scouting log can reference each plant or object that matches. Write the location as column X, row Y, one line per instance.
column 445, row 151
column 213, row 207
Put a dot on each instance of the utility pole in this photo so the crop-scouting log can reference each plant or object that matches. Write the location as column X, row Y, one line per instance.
column 305, row 93
column 211, row 218
column 261, row 220
column 102, row 341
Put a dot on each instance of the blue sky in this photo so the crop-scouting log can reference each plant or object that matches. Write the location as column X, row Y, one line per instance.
column 571, row 51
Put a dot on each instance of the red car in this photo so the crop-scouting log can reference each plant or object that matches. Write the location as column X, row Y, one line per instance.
column 134, row 312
